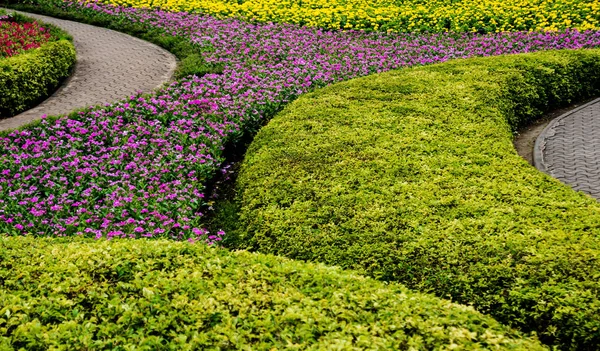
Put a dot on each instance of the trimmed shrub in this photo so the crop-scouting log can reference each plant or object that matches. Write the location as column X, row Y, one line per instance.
column 160, row 295
column 411, row 176
column 31, row 76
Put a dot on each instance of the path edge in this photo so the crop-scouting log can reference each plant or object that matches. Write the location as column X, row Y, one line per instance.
column 540, row 142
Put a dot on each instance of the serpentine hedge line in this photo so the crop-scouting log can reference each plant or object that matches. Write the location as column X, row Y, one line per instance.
column 165, row 295
column 411, row 176
column 30, row 77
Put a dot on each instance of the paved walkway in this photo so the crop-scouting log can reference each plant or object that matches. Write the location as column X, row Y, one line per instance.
column 569, row 149
column 110, row 66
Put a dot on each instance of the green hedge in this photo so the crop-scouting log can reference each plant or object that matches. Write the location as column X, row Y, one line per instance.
column 161, row 295
column 411, row 176
column 30, row 77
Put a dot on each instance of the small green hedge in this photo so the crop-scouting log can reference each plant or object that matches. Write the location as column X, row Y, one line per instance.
column 30, row 77
column 411, row 176
column 163, row 295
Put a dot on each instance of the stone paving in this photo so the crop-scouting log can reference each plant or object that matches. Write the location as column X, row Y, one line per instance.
column 110, row 66
column 569, row 149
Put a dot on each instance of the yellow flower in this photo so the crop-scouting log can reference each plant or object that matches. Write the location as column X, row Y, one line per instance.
column 461, row 14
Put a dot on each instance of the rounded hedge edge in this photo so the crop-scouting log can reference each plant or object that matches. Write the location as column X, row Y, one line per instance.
column 411, row 176
column 159, row 295
column 30, row 77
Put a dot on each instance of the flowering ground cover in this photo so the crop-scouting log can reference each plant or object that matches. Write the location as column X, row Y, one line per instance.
column 402, row 16
column 16, row 38
column 139, row 167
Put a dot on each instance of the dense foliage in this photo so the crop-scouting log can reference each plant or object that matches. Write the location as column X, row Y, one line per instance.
column 163, row 295
column 411, row 176
column 397, row 15
column 26, row 75
column 408, row 176
column 139, row 167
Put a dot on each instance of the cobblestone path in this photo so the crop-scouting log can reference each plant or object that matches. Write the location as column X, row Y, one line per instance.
column 569, row 149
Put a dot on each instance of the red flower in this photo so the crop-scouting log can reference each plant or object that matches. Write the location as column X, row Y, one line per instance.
column 16, row 38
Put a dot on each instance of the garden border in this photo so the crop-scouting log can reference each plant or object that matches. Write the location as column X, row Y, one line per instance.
column 89, row 84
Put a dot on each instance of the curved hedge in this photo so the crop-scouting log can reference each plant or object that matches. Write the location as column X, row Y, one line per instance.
column 28, row 78
column 411, row 176
column 159, row 295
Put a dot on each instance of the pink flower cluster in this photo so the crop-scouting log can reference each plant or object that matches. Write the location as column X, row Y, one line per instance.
column 139, row 167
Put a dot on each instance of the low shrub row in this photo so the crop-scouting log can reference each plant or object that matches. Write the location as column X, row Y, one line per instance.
column 399, row 16
column 411, row 176
column 32, row 75
column 164, row 295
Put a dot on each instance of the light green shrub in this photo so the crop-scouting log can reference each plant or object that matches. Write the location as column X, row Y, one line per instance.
column 411, row 176
column 164, row 295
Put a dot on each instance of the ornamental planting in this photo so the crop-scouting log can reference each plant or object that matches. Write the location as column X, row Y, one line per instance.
column 139, row 167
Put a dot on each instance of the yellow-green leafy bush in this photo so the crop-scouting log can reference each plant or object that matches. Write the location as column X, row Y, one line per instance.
column 164, row 295
column 411, row 176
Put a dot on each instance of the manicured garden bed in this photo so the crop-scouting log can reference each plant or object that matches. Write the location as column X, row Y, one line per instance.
column 34, row 59
column 411, row 176
column 412, row 182
column 19, row 37
column 140, row 167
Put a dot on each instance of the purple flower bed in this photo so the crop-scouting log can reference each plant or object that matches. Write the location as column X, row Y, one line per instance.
column 138, row 168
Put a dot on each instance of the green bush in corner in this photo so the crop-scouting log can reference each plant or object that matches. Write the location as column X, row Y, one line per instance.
column 411, row 176
column 164, row 295
column 30, row 77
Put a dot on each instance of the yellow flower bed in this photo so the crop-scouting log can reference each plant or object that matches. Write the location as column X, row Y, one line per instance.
column 399, row 16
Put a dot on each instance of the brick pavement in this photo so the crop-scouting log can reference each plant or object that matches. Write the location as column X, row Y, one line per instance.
column 110, row 66
column 569, row 149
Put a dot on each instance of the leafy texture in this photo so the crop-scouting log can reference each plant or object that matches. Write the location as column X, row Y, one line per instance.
column 161, row 295
column 411, row 176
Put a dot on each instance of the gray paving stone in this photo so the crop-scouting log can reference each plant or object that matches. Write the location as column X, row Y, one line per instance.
column 110, row 66
column 569, row 149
